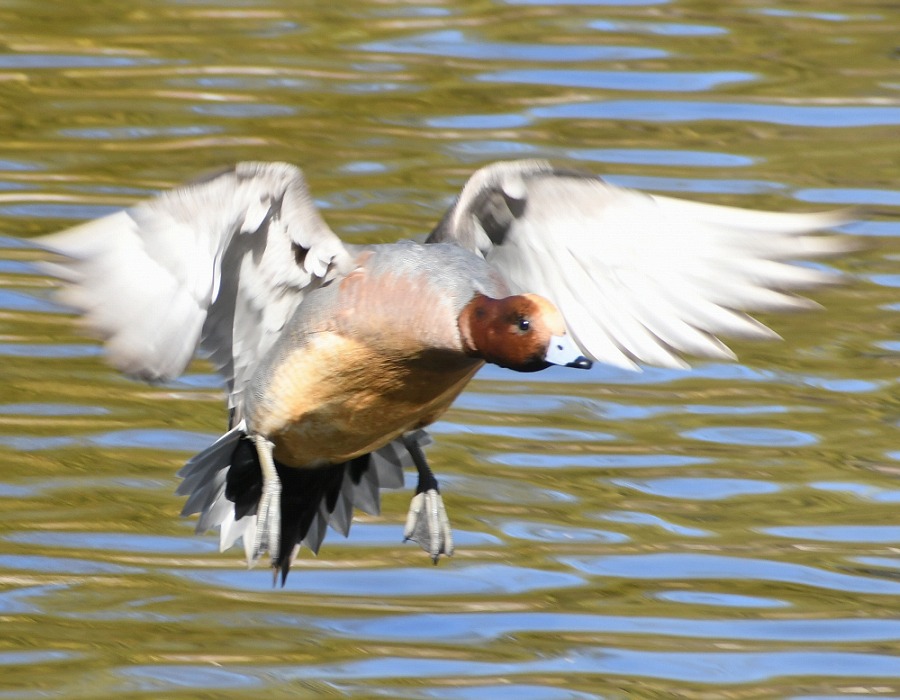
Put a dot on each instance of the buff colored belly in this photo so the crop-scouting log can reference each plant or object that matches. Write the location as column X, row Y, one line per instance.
column 336, row 399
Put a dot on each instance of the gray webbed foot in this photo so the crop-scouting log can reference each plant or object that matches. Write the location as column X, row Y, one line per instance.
column 427, row 524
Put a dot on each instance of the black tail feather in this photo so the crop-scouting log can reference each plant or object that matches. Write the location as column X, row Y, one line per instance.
column 227, row 475
column 313, row 499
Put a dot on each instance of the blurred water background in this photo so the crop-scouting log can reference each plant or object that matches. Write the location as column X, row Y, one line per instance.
column 726, row 532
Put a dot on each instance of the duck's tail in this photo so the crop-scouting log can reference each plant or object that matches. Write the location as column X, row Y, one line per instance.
column 224, row 483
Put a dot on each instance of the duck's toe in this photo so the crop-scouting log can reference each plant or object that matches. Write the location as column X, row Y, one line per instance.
column 427, row 524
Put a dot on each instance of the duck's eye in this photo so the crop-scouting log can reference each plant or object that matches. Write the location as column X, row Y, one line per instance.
column 524, row 324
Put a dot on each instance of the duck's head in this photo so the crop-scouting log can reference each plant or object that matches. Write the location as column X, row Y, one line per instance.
column 525, row 332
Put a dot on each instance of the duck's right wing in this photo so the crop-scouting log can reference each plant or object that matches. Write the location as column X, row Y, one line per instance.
column 221, row 263
column 639, row 278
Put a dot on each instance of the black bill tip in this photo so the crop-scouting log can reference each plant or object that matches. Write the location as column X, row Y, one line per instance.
column 580, row 362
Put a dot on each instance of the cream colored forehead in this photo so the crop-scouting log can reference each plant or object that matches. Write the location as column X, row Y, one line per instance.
column 549, row 313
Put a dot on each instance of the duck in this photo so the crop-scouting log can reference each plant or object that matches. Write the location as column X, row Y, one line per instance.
column 336, row 357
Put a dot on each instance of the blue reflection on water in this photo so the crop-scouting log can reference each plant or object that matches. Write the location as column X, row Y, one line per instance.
column 479, row 121
column 694, row 184
column 177, row 440
column 158, row 678
column 638, row 518
column 674, row 110
column 662, row 81
column 845, row 195
column 658, row 28
column 823, row 16
column 27, row 600
column 51, row 409
column 62, row 566
column 544, row 532
column 449, row 579
column 863, row 491
column 670, row 566
column 592, row 461
column 32, row 61
column 643, row 156
column 758, row 437
column 22, row 658
column 135, row 133
column 728, row 600
column 462, row 627
column 838, row 533
column 699, row 667
column 11, row 300
column 57, row 210
column 115, row 542
column 456, row 44
column 699, row 489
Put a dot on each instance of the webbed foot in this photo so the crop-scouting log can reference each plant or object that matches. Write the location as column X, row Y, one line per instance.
column 427, row 524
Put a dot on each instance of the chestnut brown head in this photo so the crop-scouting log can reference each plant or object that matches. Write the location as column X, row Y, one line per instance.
column 525, row 332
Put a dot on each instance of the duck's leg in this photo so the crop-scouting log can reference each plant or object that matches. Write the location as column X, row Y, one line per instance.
column 268, row 513
column 427, row 523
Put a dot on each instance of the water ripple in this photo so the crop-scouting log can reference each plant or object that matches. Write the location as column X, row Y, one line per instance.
column 456, row 44
column 707, row 668
column 821, row 116
column 620, row 80
column 467, row 628
column 701, row 489
column 20, row 301
column 542, row 532
column 447, row 580
column 673, row 157
column 637, row 518
column 35, row 61
column 759, row 437
column 659, row 28
column 726, row 600
column 180, row 440
column 115, row 542
column 61, row 566
column 709, row 566
column 592, row 461
column 838, row 533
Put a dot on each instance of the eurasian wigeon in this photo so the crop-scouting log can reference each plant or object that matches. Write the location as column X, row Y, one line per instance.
column 336, row 356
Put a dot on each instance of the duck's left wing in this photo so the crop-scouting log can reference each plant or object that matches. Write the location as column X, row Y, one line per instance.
column 639, row 278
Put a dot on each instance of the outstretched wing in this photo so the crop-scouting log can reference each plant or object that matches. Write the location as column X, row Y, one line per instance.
column 638, row 278
column 221, row 263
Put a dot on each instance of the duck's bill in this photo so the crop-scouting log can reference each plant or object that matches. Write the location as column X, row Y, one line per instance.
column 565, row 352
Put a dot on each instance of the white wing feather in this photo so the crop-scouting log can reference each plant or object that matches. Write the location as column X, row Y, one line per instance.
column 222, row 264
column 639, row 278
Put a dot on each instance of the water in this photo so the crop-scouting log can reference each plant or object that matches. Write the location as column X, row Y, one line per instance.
column 731, row 531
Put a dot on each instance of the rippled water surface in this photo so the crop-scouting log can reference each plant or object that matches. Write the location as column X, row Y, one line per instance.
column 730, row 531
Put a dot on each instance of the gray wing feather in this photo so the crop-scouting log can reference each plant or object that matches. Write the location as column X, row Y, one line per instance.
column 639, row 278
column 221, row 264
